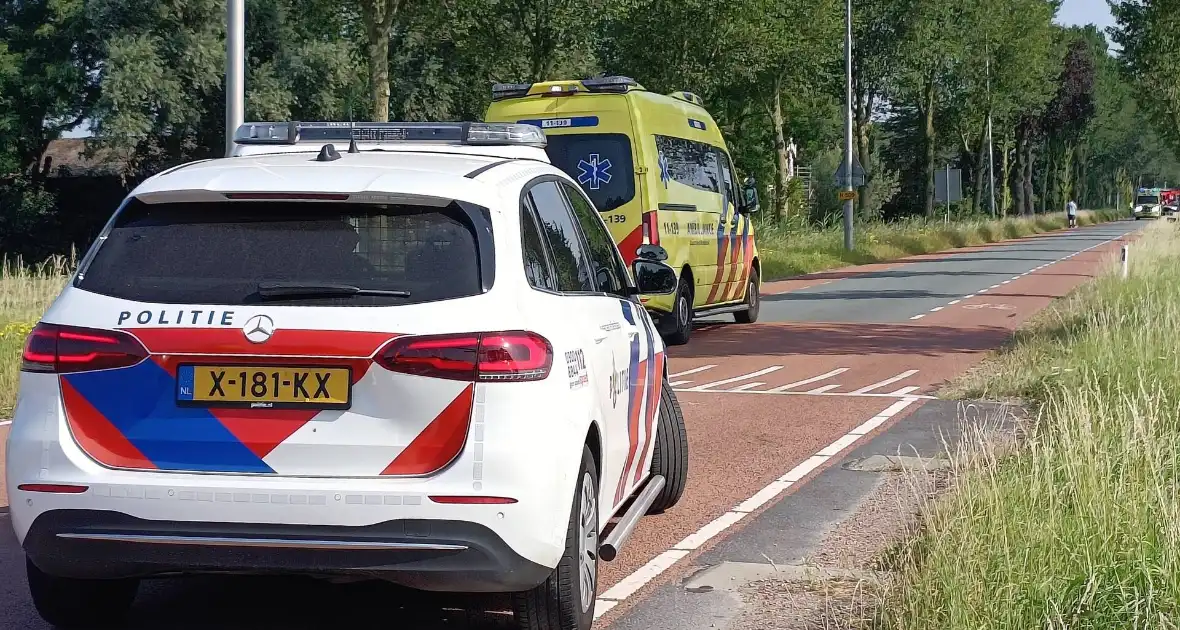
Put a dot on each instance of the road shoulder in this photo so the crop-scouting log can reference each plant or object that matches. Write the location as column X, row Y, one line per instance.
column 810, row 558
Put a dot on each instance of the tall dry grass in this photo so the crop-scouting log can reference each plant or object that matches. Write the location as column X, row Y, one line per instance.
column 25, row 293
column 1080, row 527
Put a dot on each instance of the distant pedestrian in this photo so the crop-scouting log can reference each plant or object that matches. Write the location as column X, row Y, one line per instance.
column 1071, row 211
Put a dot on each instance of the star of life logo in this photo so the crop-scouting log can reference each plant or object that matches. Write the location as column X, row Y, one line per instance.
column 594, row 172
column 665, row 176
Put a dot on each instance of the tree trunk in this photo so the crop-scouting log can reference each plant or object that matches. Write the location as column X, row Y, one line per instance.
column 379, row 16
column 864, row 111
column 1029, row 162
column 1005, row 172
column 1016, row 181
column 929, row 138
column 981, row 169
column 780, row 150
column 379, row 75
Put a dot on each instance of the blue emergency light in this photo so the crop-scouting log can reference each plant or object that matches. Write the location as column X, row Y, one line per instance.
column 470, row 133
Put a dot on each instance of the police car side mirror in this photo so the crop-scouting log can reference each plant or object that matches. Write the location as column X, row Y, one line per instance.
column 653, row 277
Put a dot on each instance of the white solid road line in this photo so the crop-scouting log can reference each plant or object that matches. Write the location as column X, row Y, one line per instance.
column 679, row 383
column 692, row 371
column 820, row 390
column 707, row 386
column 631, row 584
column 905, row 390
column 742, row 388
column 889, row 381
column 5, row 422
column 783, row 388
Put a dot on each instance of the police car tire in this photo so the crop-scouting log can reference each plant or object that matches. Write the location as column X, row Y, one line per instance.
column 556, row 603
column 670, row 456
column 750, row 315
column 69, row 603
column 678, row 333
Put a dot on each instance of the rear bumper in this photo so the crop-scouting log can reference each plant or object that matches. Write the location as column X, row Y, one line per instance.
column 452, row 556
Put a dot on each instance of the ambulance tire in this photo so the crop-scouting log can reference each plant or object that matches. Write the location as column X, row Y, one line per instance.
column 670, row 456
column 677, row 325
column 74, row 603
column 753, row 301
column 564, row 601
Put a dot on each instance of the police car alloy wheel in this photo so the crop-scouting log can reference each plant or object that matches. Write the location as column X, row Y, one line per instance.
column 565, row 601
column 670, row 459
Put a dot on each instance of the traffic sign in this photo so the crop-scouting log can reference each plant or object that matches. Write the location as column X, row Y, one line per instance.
column 847, row 195
column 841, row 178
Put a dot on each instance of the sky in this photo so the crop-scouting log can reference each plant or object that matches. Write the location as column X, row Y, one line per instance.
column 1081, row 12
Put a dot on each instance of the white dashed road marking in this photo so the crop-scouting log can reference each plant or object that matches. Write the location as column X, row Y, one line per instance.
column 889, row 381
column 706, row 386
column 692, row 371
column 631, row 584
column 806, row 381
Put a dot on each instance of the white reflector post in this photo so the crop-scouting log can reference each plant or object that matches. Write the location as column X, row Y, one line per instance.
column 235, row 70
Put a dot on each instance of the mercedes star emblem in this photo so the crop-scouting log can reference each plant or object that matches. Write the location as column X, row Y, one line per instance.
column 259, row 328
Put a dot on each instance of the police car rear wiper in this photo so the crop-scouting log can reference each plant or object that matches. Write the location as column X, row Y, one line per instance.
column 280, row 290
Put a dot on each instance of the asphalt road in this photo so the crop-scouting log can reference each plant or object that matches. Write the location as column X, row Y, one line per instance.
column 897, row 294
column 772, row 408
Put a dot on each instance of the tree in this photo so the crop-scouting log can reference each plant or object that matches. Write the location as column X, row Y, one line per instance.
column 379, row 17
column 48, row 57
column 1149, row 33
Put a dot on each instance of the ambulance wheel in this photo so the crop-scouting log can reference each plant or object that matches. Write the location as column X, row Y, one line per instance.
column 670, row 456
column 565, row 600
column 750, row 315
column 74, row 603
column 678, row 323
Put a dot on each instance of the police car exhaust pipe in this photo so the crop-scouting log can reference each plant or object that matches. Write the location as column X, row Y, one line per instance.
column 614, row 540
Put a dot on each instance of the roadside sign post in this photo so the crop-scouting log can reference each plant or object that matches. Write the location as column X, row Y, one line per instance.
column 948, row 187
column 1126, row 250
column 235, row 69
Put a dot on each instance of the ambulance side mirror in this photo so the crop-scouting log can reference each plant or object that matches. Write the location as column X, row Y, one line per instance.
column 749, row 196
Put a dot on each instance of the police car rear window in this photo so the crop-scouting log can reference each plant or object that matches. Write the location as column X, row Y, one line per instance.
column 229, row 252
column 599, row 162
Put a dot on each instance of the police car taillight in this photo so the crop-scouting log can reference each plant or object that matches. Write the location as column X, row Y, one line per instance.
column 512, row 356
column 60, row 349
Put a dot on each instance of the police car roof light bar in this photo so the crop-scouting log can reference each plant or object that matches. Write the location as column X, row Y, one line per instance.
column 469, row 133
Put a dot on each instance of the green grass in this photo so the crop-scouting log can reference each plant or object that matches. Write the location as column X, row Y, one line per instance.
column 1080, row 526
column 25, row 293
column 786, row 253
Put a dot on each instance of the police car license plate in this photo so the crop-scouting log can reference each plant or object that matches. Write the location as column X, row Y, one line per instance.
column 264, row 386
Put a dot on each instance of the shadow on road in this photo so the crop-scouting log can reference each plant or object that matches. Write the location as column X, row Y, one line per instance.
column 839, row 339
column 262, row 603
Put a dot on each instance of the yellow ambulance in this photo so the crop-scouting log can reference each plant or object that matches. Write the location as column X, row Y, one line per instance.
column 659, row 172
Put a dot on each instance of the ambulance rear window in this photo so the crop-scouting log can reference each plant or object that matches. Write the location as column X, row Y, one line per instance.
column 235, row 252
column 599, row 162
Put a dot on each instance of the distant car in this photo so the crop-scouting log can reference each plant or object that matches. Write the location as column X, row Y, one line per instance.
column 1147, row 205
column 426, row 364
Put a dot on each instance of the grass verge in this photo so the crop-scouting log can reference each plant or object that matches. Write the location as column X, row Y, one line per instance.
column 25, row 293
column 786, row 253
column 1080, row 526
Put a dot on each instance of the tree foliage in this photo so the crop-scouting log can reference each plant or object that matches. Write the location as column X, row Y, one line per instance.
column 1068, row 119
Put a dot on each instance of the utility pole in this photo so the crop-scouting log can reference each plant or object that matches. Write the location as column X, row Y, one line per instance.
column 235, row 69
column 991, row 160
column 848, row 125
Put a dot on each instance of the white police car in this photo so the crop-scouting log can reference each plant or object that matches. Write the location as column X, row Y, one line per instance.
column 420, row 358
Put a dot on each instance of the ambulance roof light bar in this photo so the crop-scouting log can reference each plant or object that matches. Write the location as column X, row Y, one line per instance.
column 318, row 133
